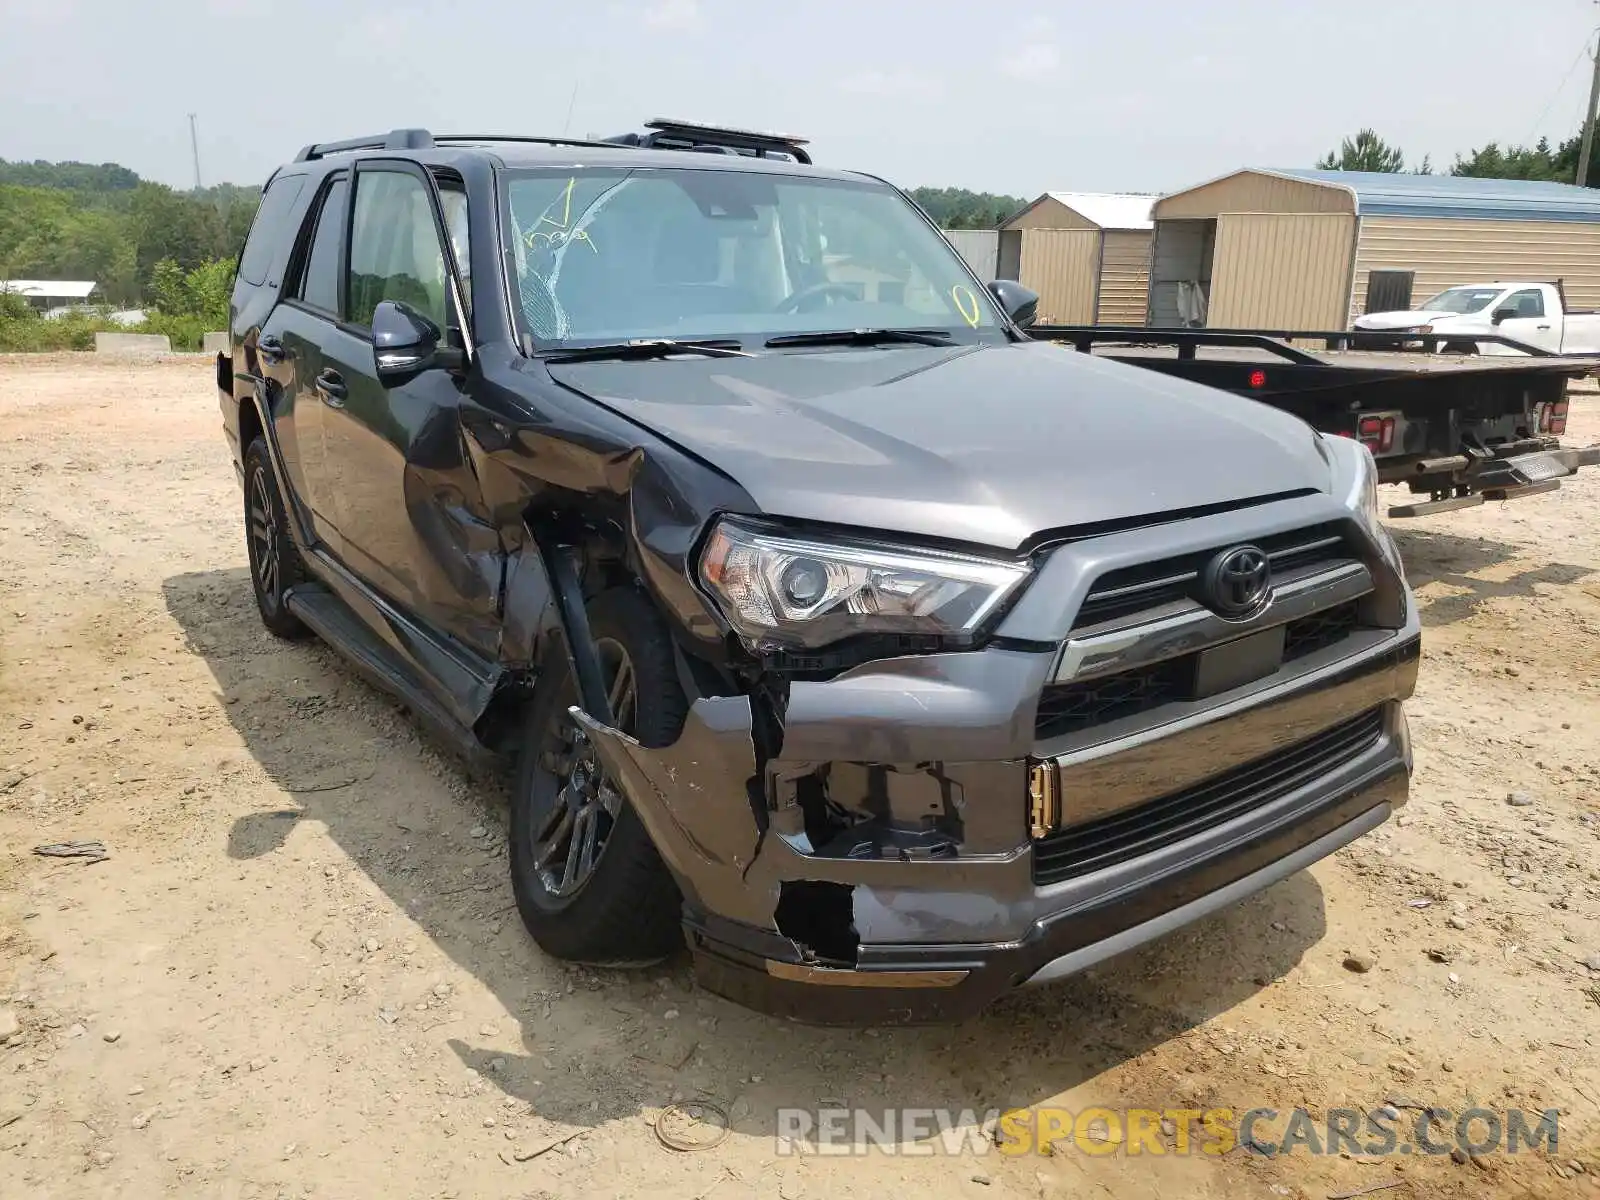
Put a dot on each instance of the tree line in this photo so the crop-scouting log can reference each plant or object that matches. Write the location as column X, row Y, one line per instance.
column 1366, row 151
column 134, row 237
column 72, row 220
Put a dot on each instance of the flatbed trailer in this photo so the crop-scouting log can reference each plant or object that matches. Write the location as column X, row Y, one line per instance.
column 1457, row 429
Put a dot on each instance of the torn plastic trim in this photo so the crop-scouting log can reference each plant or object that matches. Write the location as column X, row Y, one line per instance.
column 692, row 798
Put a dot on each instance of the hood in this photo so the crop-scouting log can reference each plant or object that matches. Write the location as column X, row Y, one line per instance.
column 1404, row 320
column 981, row 444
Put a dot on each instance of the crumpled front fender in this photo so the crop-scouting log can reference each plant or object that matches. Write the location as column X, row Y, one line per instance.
column 694, row 799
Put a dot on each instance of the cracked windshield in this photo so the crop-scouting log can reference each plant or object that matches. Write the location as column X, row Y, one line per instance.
column 615, row 255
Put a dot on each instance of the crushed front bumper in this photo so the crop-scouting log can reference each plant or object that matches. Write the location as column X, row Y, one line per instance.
column 936, row 896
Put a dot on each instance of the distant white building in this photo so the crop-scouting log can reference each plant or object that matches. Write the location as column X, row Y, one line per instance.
column 47, row 294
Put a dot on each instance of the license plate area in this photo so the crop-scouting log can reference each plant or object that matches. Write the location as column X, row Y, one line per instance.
column 1236, row 663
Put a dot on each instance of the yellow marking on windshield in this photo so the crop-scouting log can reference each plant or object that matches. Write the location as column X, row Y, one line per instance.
column 964, row 298
column 561, row 236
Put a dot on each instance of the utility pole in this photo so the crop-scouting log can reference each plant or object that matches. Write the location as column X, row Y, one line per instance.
column 194, row 144
column 1588, row 123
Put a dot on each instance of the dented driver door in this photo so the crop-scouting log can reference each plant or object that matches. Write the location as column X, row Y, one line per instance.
column 408, row 503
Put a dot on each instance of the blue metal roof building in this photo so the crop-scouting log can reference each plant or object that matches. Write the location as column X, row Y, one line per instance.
column 1307, row 249
column 1460, row 197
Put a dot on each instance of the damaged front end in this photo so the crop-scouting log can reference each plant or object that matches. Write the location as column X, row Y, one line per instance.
column 803, row 870
column 907, row 837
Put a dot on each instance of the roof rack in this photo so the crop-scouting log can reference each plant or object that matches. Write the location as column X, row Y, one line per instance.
column 668, row 134
column 663, row 134
column 395, row 139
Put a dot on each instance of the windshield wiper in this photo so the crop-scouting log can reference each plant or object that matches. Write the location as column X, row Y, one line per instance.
column 641, row 348
column 863, row 337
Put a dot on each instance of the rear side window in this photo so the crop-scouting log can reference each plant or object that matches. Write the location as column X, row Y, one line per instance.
column 270, row 228
column 319, row 284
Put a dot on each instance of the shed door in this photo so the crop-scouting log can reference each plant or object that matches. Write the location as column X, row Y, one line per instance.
column 1124, row 278
column 1063, row 266
column 1389, row 291
column 1282, row 271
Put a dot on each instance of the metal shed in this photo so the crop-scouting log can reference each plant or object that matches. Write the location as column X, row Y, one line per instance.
column 981, row 249
column 1302, row 249
column 1087, row 254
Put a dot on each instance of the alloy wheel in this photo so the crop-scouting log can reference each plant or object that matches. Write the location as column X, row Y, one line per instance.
column 264, row 535
column 573, row 835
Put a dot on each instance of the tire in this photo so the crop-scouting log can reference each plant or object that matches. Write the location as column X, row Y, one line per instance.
column 626, row 910
column 275, row 563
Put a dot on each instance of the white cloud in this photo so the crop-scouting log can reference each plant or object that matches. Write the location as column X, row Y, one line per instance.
column 900, row 82
column 673, row 14
column 1038, row 61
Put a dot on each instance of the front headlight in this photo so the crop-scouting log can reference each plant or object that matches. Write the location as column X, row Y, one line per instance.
column 1363, row 497
column 782, row 592
column 1357, row 475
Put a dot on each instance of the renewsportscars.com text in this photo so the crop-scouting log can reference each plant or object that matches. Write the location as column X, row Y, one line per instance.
column 1179, row 1131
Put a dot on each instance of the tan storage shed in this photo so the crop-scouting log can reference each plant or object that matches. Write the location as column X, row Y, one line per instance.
column 1087, row 254
column 1300, row 249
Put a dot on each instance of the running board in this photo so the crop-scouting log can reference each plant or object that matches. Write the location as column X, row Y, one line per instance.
column 332, row 620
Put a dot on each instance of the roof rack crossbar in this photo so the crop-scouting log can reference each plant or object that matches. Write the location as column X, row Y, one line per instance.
column 669, row 134
column 395, row 139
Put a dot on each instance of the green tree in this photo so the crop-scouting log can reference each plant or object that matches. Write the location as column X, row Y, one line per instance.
column 1558, row 164
column 77, row 176
column 958, row 208
column 1368, row 152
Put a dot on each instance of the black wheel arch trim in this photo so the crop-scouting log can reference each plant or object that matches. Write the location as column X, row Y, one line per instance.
column 299, row 523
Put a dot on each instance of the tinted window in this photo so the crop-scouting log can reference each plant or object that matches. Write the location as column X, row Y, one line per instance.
column 395, row 253
column 319, row 284
column 1529, row 303
column 270, row 227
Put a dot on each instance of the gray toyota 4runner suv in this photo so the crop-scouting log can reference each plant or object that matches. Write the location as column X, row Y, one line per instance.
column 890, row 659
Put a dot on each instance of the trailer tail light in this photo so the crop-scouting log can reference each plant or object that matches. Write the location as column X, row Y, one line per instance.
column 1553, row 417
column 1376, row 434
column 1258, row 379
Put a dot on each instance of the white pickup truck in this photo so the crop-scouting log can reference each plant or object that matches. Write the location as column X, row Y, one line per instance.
column 1535, row 314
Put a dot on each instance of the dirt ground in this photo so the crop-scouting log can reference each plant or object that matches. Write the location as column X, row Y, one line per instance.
column 299, row 972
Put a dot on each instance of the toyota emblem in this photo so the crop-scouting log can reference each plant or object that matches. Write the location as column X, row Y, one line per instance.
column 1238, row 580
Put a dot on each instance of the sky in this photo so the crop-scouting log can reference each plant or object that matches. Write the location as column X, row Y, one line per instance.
column 1018, row 98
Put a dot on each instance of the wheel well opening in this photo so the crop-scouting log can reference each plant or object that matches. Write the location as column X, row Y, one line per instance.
column 249, row 425
column 820, row 918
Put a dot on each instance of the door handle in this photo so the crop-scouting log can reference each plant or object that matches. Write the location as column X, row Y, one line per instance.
column 1542, row 327
column 271, row 349
column 331, row 387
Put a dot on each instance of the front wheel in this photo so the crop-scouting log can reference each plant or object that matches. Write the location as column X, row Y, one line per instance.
column 589, row 884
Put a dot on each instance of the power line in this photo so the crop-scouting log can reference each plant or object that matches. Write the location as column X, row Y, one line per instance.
column 1561, row 87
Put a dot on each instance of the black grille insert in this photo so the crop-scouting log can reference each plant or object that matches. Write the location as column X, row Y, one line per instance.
column 1070, row 707
column 1073, row 707
column 1321, row 630
column 1158, row 823
column 1130, row 590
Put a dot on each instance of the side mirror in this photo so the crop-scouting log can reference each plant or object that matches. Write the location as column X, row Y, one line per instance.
column 1021, row 304
column 1502, row 314
column 405, row 342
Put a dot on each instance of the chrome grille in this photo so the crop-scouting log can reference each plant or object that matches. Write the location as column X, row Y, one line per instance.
column 1080, row 849
column 1129, row 591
